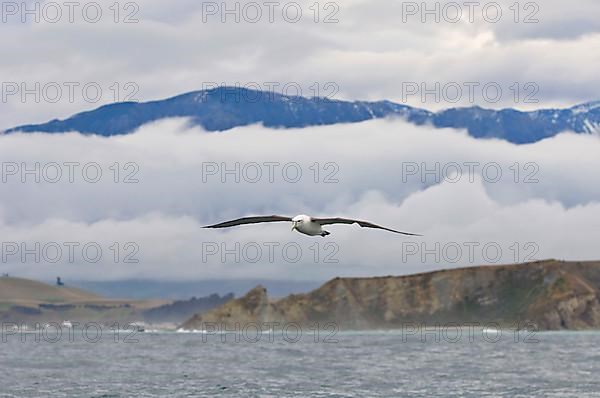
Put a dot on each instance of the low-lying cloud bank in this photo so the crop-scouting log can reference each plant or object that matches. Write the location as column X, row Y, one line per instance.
column 133, row 206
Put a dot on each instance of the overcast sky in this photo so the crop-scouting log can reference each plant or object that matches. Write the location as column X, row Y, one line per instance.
column 142, row 199
column 540, row 54
column 476, row 201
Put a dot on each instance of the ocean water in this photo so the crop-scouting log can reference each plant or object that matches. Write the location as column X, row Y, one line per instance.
column 345, row 364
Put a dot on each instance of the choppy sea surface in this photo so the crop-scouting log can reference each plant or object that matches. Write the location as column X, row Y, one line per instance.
column 346, row 364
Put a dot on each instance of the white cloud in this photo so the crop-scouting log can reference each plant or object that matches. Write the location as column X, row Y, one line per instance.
column 163, row 212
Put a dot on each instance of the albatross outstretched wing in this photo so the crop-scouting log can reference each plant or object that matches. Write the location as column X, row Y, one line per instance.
column 364, row 224
column 249, row 220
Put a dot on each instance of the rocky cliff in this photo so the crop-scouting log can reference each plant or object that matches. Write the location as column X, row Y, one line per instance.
column 552, row 294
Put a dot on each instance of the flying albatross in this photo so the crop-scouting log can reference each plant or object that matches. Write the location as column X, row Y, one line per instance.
column 304, row 224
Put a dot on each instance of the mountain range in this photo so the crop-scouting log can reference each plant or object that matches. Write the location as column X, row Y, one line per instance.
column 224, row 108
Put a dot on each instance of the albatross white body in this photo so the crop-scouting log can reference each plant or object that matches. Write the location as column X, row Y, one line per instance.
column 305, row 225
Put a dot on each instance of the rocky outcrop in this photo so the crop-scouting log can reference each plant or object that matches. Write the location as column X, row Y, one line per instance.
column 551, row 294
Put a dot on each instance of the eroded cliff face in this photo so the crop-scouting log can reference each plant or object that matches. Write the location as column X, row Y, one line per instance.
column 551, row 294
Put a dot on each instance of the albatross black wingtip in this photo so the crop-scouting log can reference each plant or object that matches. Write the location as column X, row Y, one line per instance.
column 409, row 234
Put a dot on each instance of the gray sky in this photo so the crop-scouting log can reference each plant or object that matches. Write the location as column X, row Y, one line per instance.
column 541, row 56
column 142, row 199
